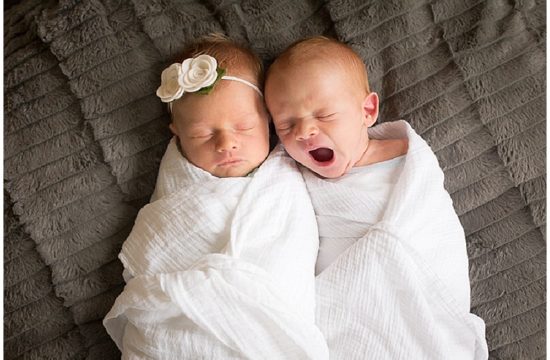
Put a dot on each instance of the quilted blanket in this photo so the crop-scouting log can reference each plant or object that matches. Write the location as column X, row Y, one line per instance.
column 84, row 134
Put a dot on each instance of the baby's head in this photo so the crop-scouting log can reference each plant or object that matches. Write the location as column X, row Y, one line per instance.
column 224, row 132
column 318, row 95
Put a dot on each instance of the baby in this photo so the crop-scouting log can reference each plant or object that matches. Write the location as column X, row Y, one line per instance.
column 322, row 107
column 393, row 268
column 221, row 263
column 225, row 133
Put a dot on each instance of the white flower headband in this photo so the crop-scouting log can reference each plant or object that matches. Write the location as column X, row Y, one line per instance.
column 198, row 74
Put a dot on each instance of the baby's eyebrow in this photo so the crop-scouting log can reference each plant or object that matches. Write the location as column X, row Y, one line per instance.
column 283, row 116
column 283, row 123
column 190, row 120
column 250, row 113
column 280, row 120
column 197, row 127
column 324, row 109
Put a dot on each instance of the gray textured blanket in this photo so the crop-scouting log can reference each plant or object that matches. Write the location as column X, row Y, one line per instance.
column 84, row 134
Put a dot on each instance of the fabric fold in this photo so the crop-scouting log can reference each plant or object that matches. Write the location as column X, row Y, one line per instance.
column 221, row 268
column 401, row 290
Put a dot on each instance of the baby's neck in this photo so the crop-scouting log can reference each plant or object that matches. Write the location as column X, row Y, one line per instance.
column 382, row 150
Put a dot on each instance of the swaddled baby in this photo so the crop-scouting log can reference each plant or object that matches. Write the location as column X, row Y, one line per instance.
column 393, row 269
column 221, row 263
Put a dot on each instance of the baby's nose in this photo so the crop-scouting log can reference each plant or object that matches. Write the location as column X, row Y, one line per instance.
column 306, row 129
column 226, row 141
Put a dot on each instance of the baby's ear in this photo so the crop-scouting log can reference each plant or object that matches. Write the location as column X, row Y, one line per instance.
column 173, row 128
column 370, row 108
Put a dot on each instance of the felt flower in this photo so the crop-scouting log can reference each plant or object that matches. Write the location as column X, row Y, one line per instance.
column 198, row 74
column 170, row 89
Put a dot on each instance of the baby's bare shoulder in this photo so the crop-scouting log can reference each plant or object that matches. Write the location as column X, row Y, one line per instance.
column 394, row 148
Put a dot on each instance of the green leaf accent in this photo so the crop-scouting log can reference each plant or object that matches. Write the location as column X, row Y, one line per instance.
column 207, row 89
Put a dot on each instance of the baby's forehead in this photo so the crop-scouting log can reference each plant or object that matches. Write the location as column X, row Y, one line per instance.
column 191, row 114
column 316, row 72
column 317, row 79
column 313, row 52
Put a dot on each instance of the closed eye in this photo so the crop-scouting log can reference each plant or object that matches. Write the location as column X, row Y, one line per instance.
column 326, row 117
column 244, row 128
column 283, row 126
column 201, row 136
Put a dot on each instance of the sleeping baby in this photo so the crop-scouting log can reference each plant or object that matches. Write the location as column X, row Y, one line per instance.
column 220, row 264
column 392, row 269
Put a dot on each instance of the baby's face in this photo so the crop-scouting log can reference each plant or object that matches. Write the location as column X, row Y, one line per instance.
column 225, row 132
column 320, row 116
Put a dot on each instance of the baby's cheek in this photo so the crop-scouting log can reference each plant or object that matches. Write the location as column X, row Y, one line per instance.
column 295, row 153
column 291, row 143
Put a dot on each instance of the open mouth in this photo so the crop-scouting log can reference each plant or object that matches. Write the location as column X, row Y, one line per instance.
column 322, row 155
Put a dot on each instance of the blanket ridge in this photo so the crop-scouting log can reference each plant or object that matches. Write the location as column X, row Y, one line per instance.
column 410, row 267
column 221, row 266
column 469, row 76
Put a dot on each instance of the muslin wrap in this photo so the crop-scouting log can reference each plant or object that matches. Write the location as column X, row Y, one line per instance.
column 401, row 291
column 221, row 268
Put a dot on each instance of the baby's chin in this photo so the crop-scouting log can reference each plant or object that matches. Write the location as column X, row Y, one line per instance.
column 328, row 173
column 241, row 170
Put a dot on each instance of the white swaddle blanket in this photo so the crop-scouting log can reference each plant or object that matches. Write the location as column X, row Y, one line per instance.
column 401, row 291
column 222, row 268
